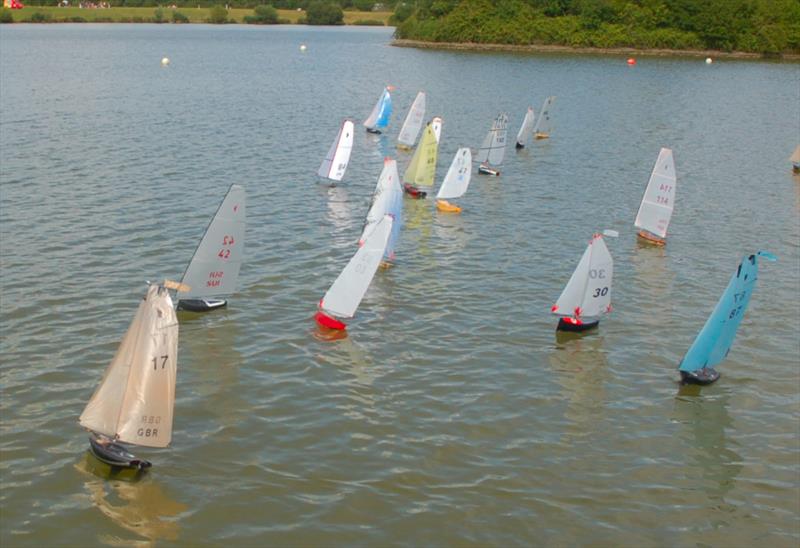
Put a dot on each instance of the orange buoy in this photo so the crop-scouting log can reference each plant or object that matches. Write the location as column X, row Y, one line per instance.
column 631, row 61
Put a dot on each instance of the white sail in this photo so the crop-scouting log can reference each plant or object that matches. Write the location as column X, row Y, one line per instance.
column 135, row 399
column 335, row 163
column 543, row 126
column 214, row 268
column 526, row 129
column 379, row 117
column 457, row 179
column 655, row 210
column 588, row 292
column 413, row 122
column 387, row 190
column 346, row 292
column 436, row 125
column 493, row 148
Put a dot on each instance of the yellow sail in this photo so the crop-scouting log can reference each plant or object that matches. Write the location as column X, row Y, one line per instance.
column 422, row 169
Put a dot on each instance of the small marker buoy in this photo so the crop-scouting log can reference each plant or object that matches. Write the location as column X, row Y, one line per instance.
column 164, row 61
column 302, row 47
column 631, row 61
column 709, row 60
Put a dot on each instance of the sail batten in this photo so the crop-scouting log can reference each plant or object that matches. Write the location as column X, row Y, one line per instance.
column 655, row 211
column 213, row 270
column 413, row 122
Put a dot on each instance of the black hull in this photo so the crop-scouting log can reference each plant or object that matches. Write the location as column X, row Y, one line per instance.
column 519, row 146
column 115, row 454
column 201, row 305
column 375, row 131
column 703, row 377
column 569, row 327
column 488, row 171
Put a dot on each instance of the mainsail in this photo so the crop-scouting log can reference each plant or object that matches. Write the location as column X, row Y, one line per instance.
column 493, row 148
column 655, row 210
column 135, row 399
column 526, row 129
column 422, row 169
column 413, row 122
column 379, row 117
column 458, row 175
column 214, row 268
column 587, row 295
column 716, row 338
column 543, row 126
column 335, row 163
column 436, row 125
column 386, row 200
column 346, row 292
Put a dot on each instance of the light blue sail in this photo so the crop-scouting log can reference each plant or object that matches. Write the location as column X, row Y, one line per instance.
column 715, row 339
column 385, row 110
column 395, row 210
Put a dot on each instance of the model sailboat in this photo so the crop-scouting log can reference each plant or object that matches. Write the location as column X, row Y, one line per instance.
column 526, row 129
column 436, row 125
column 387, row 200
column 587, row 296
column 543, row 126
column 795, row 159
column 379, row 117
column 716, row 338
column 493, row 148
column 344, row 296
column 422, row 169
column 214, row 269
column 412, row 123
column 455, row 182
column 335, row 163
column 655, row 210
column 135, row 399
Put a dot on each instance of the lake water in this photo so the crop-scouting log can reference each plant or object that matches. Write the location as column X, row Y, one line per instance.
column 450, row 414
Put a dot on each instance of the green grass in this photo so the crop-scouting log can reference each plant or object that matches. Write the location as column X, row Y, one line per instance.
column 146, row 15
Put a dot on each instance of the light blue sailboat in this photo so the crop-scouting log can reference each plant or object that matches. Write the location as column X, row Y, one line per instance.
column 379, row 117
column 716, row 338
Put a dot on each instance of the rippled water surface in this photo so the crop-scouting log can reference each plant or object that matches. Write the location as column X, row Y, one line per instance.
column 450, row 414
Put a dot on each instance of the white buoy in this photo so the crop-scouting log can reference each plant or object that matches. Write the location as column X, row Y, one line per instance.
column 164, row 61
column 302, row 47
column 709, row 60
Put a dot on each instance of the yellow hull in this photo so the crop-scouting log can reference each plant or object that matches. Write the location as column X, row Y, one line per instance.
column 447, row 207
column 651, row 238
column 542, row 136
column 404, row 148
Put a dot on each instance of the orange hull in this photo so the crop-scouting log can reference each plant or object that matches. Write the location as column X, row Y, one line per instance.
column 542, row 136
column 651, row 238
column 447, row 207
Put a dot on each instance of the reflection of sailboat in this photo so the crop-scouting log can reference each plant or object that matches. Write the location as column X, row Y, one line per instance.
column 412, row 123
column 795, row 159
column 543, row 125
column 135, row 399
column 143, row 508
column 214, row 268
column 386, row 200
column 526, row 129
column 587, row 295
column 455, row 182
column 345, row 294
column 655, row 210
column 493, row 148
column 335, row 163
column 378, row 119
column 716, row 338
column 422, row 169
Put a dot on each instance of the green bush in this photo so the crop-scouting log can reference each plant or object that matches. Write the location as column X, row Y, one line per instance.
column 39, row 17
column 178, row 17
column 263, row 15
column 77, row 19
column 320, row 12
column 158, row 16
column 218, row 15
column 402, row 11
column 6, row 16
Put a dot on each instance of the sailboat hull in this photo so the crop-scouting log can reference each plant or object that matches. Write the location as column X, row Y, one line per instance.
column 413, row 191
column 327, row 321
column 201, row 305
column 571, row 325
column 115, row 454
column 796, row 168
column 541, row 136
column 485, row 170
column 519, row 146
column 447, row 207
column 703, row 376
column 373, row 130
column 650, row 238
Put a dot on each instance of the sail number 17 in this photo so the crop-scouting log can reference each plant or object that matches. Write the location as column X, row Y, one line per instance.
column 163, row 362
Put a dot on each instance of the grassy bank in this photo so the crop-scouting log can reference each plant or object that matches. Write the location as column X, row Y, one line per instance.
column 52, row 14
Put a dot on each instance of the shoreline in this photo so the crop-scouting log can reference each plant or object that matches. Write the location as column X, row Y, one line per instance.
column 543, row 48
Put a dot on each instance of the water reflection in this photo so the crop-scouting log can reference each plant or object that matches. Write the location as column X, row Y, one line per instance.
column 704, row 419
column 350, row 356
column 579, row 365
column 143, row 507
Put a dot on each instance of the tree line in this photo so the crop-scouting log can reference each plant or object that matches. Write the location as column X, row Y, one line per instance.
column 762, row 26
